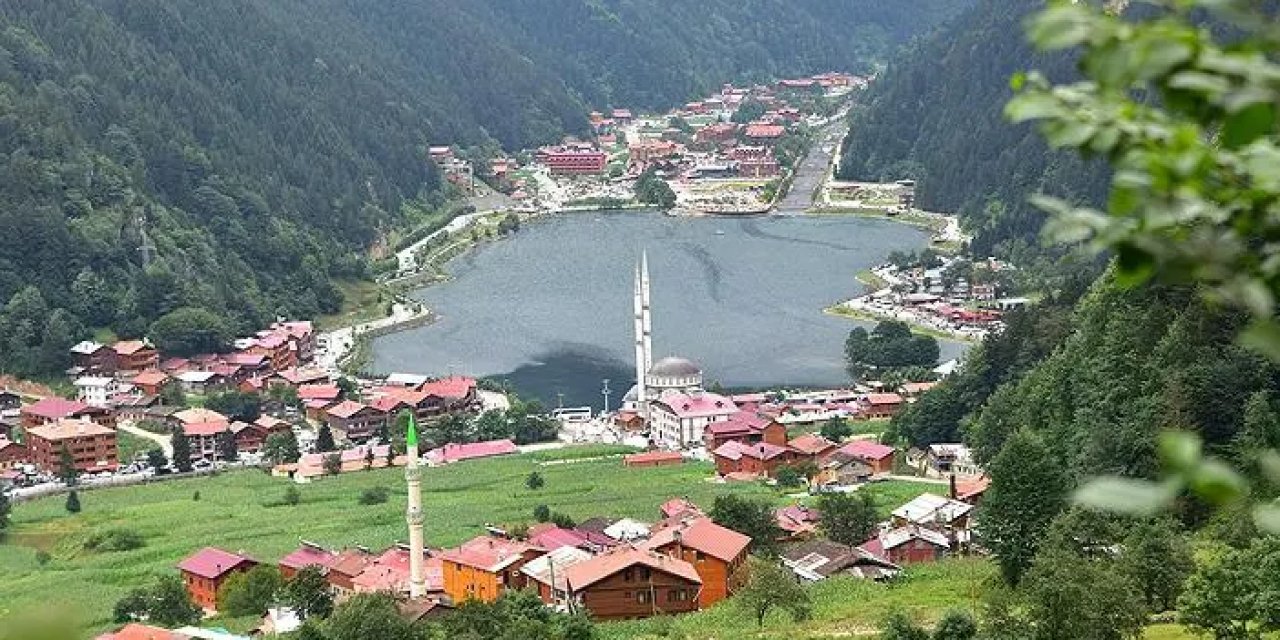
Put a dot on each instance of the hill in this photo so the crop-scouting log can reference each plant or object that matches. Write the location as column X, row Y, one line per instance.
column 262, row 147
column 936, row 115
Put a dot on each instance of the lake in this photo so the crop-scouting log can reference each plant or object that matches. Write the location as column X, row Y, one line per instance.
column 550, row 308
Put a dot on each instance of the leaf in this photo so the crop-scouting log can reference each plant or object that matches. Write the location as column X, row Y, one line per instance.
column 1200, row 82
column 1247, row 125
column 1267, row 517
column 1126, row 495
column 1216, row 482
column 1134, row 266
column 1032, row 106
column 1263, row 336
column 1270, row 463
column 1179, row 450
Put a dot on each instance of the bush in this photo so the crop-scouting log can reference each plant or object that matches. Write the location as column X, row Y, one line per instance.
column 373, row 495
column 73, row 502
column 563, row 521
column 195, row 497
column 115, row 540
column 290, row 497
column 534, row 481
column 43, row 558
column 542, row 513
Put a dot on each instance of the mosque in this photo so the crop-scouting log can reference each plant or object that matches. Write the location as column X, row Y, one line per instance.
column 668, row 393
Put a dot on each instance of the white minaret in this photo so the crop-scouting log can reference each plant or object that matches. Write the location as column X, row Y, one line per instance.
column 641, row 369
column 413, row 514
column 648, row 326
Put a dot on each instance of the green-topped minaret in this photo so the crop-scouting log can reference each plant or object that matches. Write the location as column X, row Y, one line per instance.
column 413, row 515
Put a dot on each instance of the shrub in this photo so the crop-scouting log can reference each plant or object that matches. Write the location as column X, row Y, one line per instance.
column 115, row 540
column 542, row 513
column 373, row 495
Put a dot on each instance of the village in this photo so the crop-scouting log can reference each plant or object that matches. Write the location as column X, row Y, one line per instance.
column 805, row 443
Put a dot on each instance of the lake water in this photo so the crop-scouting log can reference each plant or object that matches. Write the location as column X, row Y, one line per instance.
column 550, row 309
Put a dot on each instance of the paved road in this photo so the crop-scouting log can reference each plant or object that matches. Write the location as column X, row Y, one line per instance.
column 339, row 341
column 165, row 442
column 812, row 170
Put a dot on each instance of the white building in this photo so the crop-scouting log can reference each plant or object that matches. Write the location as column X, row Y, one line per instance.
column 94, row 390
column 678, row 419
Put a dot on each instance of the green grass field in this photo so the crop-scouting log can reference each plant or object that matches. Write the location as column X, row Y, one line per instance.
column 459, row 500
column 842, row 607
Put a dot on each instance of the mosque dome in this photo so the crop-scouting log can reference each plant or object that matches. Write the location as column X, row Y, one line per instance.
column 673, row 366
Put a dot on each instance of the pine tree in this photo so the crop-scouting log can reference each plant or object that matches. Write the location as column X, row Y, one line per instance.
column 1028, row 489
column 5, row 508
column 73, row 502
column 67, row 471
column 181, row 451
column 324, row 439
column 227, row 446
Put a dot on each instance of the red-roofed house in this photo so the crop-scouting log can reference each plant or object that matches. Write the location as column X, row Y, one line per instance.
column 765, row 133
column 151, row 382
column 344, row 569
column 747, row 427
column 135, row 355
column 881, row 405
column 482, row 568
column 389, row 573
column 52, row 409
column 458, row 452
column 296, row 377
column 455, row 393
column 812, row 446
column 329, row 392
column 677, row 507
column 761, row 459
column 138, row 631
column 550, row 536
column 11, row 453
column 308, row 554
column 680, row 419
column 250, row 436
column 355, row 421
column 908, row 544
column 633, row 583
column 652, row 459
column 877, row 456
column 718, row 554
column 205, row 571
column 201, row 427
column 91, row 445
column 797, row 521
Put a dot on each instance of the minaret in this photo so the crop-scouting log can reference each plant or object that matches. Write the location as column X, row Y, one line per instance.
column 413, row 514
column 648, row 326
column 641, row 369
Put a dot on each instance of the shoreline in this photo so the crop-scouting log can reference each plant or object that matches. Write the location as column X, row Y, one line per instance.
column 841, row 310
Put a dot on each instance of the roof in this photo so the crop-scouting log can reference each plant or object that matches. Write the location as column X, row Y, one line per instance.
column 917, row 387
column 677, row 506
column 93, row 381
column 811, row 444
column 867, row 450
column 138, row 631
column 701, row 534
column 550, row 536
column 697, row 405
column 488, row 553
column 457, row 452
column 897, row 537
column 455, row 387
column 299, row 376
column 202, row 422
column 627, row 529
column 765, row 131
column 309, row 555
column 54, row 408
column 652, row 456
column 406, row 379
column 874, row 399
column 735, row 450
column 557, row 561
column 820, row 558
column 271, row 423
column 129, row 347
column 744, row 422
column 350, row 562
column 673, row 366
column 198, row 377
column 68, row 428
column 589, row 572
column 346, row 409
column 967, row 490
column 213, row 563
column 87, row 347
column 150, row 376
column 928, row 508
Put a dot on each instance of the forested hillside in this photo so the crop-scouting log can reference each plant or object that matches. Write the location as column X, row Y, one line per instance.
column 936, row 115
column 265, row 145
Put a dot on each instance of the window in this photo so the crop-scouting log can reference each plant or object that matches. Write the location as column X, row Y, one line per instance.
column 643, row 597
column 702, row 557
column 677, row 595
column 644, row 573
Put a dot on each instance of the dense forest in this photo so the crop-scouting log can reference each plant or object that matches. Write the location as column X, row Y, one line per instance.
column 936, row 115
column 262, row 147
